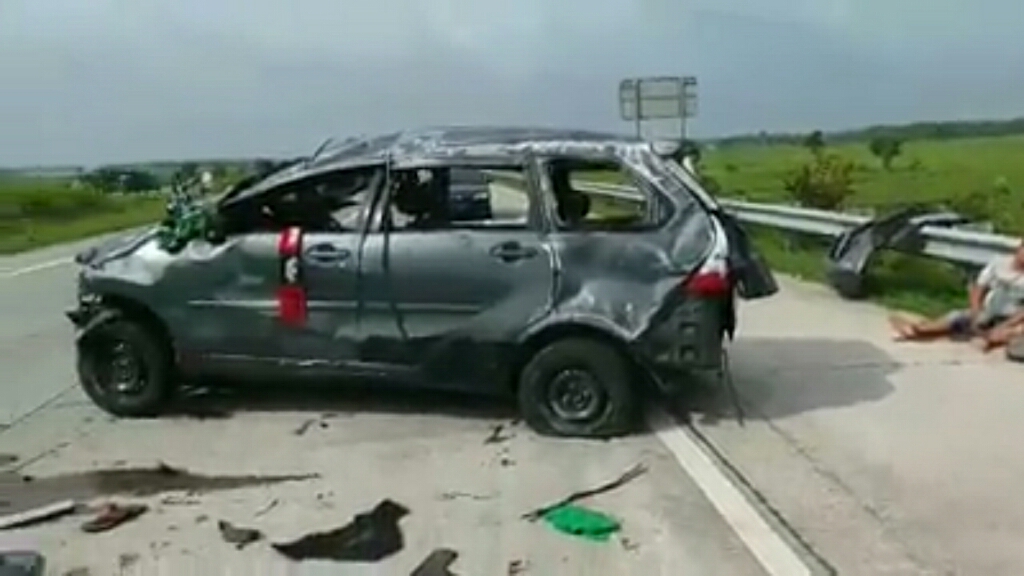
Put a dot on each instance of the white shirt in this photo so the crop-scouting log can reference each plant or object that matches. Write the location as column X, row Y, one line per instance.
column 1005, row 285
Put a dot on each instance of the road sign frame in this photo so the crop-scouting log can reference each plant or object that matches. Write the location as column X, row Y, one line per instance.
column 658, row 98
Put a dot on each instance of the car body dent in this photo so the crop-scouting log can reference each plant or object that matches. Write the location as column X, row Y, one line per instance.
column 216, row 300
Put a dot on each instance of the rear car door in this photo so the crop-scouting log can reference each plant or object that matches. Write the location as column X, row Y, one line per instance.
column 447, row 301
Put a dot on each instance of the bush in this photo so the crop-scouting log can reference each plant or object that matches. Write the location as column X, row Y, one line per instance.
column 824, row 183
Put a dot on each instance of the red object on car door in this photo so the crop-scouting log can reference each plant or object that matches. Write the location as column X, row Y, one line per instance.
column 291, row 294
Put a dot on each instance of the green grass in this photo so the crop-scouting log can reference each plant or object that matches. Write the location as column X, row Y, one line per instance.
column 40, row 212
column 931, row 172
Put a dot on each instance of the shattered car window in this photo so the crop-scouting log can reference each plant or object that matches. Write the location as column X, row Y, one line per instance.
column 456, row 197
column 580, row 208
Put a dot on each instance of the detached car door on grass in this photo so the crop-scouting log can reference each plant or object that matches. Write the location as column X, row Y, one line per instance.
column 439, row 290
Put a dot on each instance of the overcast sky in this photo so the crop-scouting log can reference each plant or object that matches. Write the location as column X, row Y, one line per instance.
column 89, row 81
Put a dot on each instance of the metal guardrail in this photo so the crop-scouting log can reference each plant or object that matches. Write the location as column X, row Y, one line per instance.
column 856, row 238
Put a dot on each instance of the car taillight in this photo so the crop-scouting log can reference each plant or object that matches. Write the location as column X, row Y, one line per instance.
column 711, row 281
column 708, row 284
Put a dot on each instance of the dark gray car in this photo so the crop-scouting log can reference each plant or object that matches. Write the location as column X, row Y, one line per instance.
column 353, row 264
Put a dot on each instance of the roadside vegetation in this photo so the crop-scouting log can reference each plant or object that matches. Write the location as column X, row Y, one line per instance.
column 979, row 177
column 37, row 211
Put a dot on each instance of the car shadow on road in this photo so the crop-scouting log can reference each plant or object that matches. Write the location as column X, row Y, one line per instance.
column 784, row 377
column 223, row 401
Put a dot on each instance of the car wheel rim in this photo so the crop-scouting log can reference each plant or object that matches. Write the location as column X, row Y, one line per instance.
column 121, row 370
column 576, row 396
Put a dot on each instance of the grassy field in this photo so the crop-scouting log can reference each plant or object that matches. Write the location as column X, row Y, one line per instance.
column 982, row 176
column 39, row 212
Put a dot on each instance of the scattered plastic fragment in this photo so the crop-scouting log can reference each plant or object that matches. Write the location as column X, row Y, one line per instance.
column 21, row 564
column 369, row 537
column 628, row 476
column 112, row 515
column 37, row 515
column 237, row 535
column 436, row 563
column 583, row 522
column 516, row 567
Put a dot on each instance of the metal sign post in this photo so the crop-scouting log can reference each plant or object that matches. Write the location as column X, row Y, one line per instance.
column 658, row 98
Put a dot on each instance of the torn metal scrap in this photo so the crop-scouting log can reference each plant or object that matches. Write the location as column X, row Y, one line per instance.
column 38, row 515
column 436, row 563
column 628, row 476
column 369, row 537
column 22, row 564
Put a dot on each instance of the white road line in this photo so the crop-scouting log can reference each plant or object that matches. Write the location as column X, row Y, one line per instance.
column 774, row 554
column 35, row 267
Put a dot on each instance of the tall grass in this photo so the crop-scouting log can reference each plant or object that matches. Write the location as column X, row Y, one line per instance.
column 37, row 212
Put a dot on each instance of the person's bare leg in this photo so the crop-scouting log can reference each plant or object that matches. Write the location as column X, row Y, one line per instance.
column 921, row 330
column 1001, row 334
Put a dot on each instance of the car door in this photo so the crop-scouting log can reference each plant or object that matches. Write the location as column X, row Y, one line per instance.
column 238, row 318
column 448, row 301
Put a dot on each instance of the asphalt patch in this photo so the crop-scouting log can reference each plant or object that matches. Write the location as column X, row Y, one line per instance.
column 21, row 492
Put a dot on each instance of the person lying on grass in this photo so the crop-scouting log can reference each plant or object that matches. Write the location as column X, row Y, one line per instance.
column 995, row 310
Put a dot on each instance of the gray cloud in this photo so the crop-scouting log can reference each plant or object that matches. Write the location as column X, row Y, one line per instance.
column 109, row 80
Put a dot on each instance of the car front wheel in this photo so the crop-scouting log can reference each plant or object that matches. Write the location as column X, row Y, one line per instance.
column 125, row 369
column 578, row 387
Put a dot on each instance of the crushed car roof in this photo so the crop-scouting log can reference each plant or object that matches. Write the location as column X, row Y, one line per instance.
column 480, row 142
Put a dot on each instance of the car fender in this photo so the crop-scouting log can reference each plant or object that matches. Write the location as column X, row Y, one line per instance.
column 93, row 321
column 576, row 321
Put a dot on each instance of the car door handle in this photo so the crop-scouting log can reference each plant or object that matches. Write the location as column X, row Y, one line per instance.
column 327, row 254
column 512, row 251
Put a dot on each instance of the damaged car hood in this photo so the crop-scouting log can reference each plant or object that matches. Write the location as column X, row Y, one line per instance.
column 116, row 246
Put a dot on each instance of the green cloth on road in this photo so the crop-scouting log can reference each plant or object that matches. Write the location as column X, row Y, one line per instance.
column 579, row 521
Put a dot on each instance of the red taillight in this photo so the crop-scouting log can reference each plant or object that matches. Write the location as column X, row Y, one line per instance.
column 708, row 284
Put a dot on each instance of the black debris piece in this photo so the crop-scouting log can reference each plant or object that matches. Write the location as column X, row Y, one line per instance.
column 516, row 567
column 304, row 427
column 436, row 563
column 497, row 435
column 237, row 535
column 369, row 537
column 8, row 459
column 628, row 476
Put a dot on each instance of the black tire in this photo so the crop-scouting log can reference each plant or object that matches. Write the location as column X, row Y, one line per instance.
column 151, row 389
column 592, row 365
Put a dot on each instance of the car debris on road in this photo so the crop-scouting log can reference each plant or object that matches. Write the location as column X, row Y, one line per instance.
column 437, row 563
column 369, row 537
column 111, row 515
column 239, row 536
column 627, row 477
column 377, row 257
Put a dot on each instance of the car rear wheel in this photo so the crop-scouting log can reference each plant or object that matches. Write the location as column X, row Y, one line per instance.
column 125, row 368
column 577, row 387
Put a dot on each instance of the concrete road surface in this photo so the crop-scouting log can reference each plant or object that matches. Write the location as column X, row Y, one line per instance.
column 880, row 458
column 426, row 452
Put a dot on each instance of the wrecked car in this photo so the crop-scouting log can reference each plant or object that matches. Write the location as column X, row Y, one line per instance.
column 351, row 264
